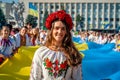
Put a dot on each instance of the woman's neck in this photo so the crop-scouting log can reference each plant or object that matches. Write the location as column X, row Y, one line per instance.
column 22, row 35
column 57, row 44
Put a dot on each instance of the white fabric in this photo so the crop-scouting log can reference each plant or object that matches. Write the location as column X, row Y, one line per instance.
column 38, row 69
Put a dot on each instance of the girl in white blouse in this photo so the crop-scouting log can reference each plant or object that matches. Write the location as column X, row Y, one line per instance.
column 7, row 44
column 58, row 59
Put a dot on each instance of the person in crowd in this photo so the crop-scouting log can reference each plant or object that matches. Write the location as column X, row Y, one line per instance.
column 58, row 59
column 34, row 35
column 7, row 44
column 29, row 28
column 22, row 38
column 42, row 37
column 117, row 42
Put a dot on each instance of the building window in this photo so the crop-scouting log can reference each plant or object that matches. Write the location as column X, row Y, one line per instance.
column 89, row 5
column 67, row 5
column 57, row 6
column 111, row 19
column 89, row 19
column 100, row 6
column 105, row 19
column 46, row 5
column 106, row 5
column 73, row 6
column 111, row 6
column 41, row 12
column 41, row 6
column 83, row 6
column 62, row 6
column 78, row 5
column 51, row 6
column 100, row 19
column 95, row 6
column 117, row 19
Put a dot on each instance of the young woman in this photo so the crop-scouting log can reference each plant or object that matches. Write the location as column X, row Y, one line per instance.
column 22, row 38
column 58, row 59
column 34, row 37
column 7, row 44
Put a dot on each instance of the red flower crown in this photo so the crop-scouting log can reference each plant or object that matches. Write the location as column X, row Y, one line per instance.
column 59, row 15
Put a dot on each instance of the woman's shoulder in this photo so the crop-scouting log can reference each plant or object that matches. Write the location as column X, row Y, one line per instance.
column 41, row 50
column 45, row 52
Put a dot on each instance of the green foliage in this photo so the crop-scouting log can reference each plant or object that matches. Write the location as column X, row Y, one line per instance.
column 44, row 19
column 62, row 7
column 2, row 18
column 32, row 19
column 80, row 20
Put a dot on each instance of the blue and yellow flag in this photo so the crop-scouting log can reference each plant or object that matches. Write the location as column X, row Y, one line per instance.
column 33, row 10
column 105, row 25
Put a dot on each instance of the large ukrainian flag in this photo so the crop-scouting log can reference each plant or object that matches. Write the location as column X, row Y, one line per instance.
column 33, row 10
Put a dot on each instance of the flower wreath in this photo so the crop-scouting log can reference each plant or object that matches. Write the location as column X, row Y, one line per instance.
column 59, row 15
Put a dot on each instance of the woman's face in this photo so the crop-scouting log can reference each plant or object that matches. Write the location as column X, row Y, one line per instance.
column 5, row 32
column 34, row 31
column 59, row 31
column 23, row 31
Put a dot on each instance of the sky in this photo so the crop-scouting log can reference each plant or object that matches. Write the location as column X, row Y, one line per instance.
column 9, row 1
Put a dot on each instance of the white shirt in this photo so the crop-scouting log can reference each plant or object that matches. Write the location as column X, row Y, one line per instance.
column 51, row 65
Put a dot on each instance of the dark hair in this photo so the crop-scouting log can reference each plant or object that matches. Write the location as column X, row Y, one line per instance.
column 28, row 23
column 10, row 26
column 25, row 27
column 7, row 25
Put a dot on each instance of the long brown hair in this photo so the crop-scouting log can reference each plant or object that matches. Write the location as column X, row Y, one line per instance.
column 73, row 56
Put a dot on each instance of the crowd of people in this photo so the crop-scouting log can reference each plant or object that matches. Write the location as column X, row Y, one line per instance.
column 28, row 36
column 99, row 38
column 12, row 39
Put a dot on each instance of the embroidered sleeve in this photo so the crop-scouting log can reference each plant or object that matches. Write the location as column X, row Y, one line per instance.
column 36, row 72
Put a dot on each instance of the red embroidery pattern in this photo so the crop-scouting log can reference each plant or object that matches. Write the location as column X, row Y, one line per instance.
column 55, row 69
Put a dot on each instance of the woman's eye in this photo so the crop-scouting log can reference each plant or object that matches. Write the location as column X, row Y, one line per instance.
column 56, row 28
column 63, row 28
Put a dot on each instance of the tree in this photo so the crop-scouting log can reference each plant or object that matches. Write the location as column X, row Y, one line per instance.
column 79, row 21
column 32, row 19
column 62, row 7
column 2, row 18
column 44, row 19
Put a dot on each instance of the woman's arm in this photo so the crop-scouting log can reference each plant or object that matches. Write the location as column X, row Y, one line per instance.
column 74, row 73
column 36, row 70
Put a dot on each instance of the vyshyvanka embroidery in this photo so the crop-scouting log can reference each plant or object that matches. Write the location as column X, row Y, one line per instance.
column 55, row 69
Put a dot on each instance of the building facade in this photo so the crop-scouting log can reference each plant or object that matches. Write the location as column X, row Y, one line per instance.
column 96, row 14
column 6, row 7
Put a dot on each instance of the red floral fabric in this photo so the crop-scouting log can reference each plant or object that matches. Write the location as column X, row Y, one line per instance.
column 60, row 15
column 55, row 69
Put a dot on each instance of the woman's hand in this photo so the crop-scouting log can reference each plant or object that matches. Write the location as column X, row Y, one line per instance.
column 1, row 55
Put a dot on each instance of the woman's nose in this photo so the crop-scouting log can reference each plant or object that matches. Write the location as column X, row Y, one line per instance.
column 60, row 30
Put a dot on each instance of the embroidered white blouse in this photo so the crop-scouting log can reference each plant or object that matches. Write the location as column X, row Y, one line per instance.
column 51, row 65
